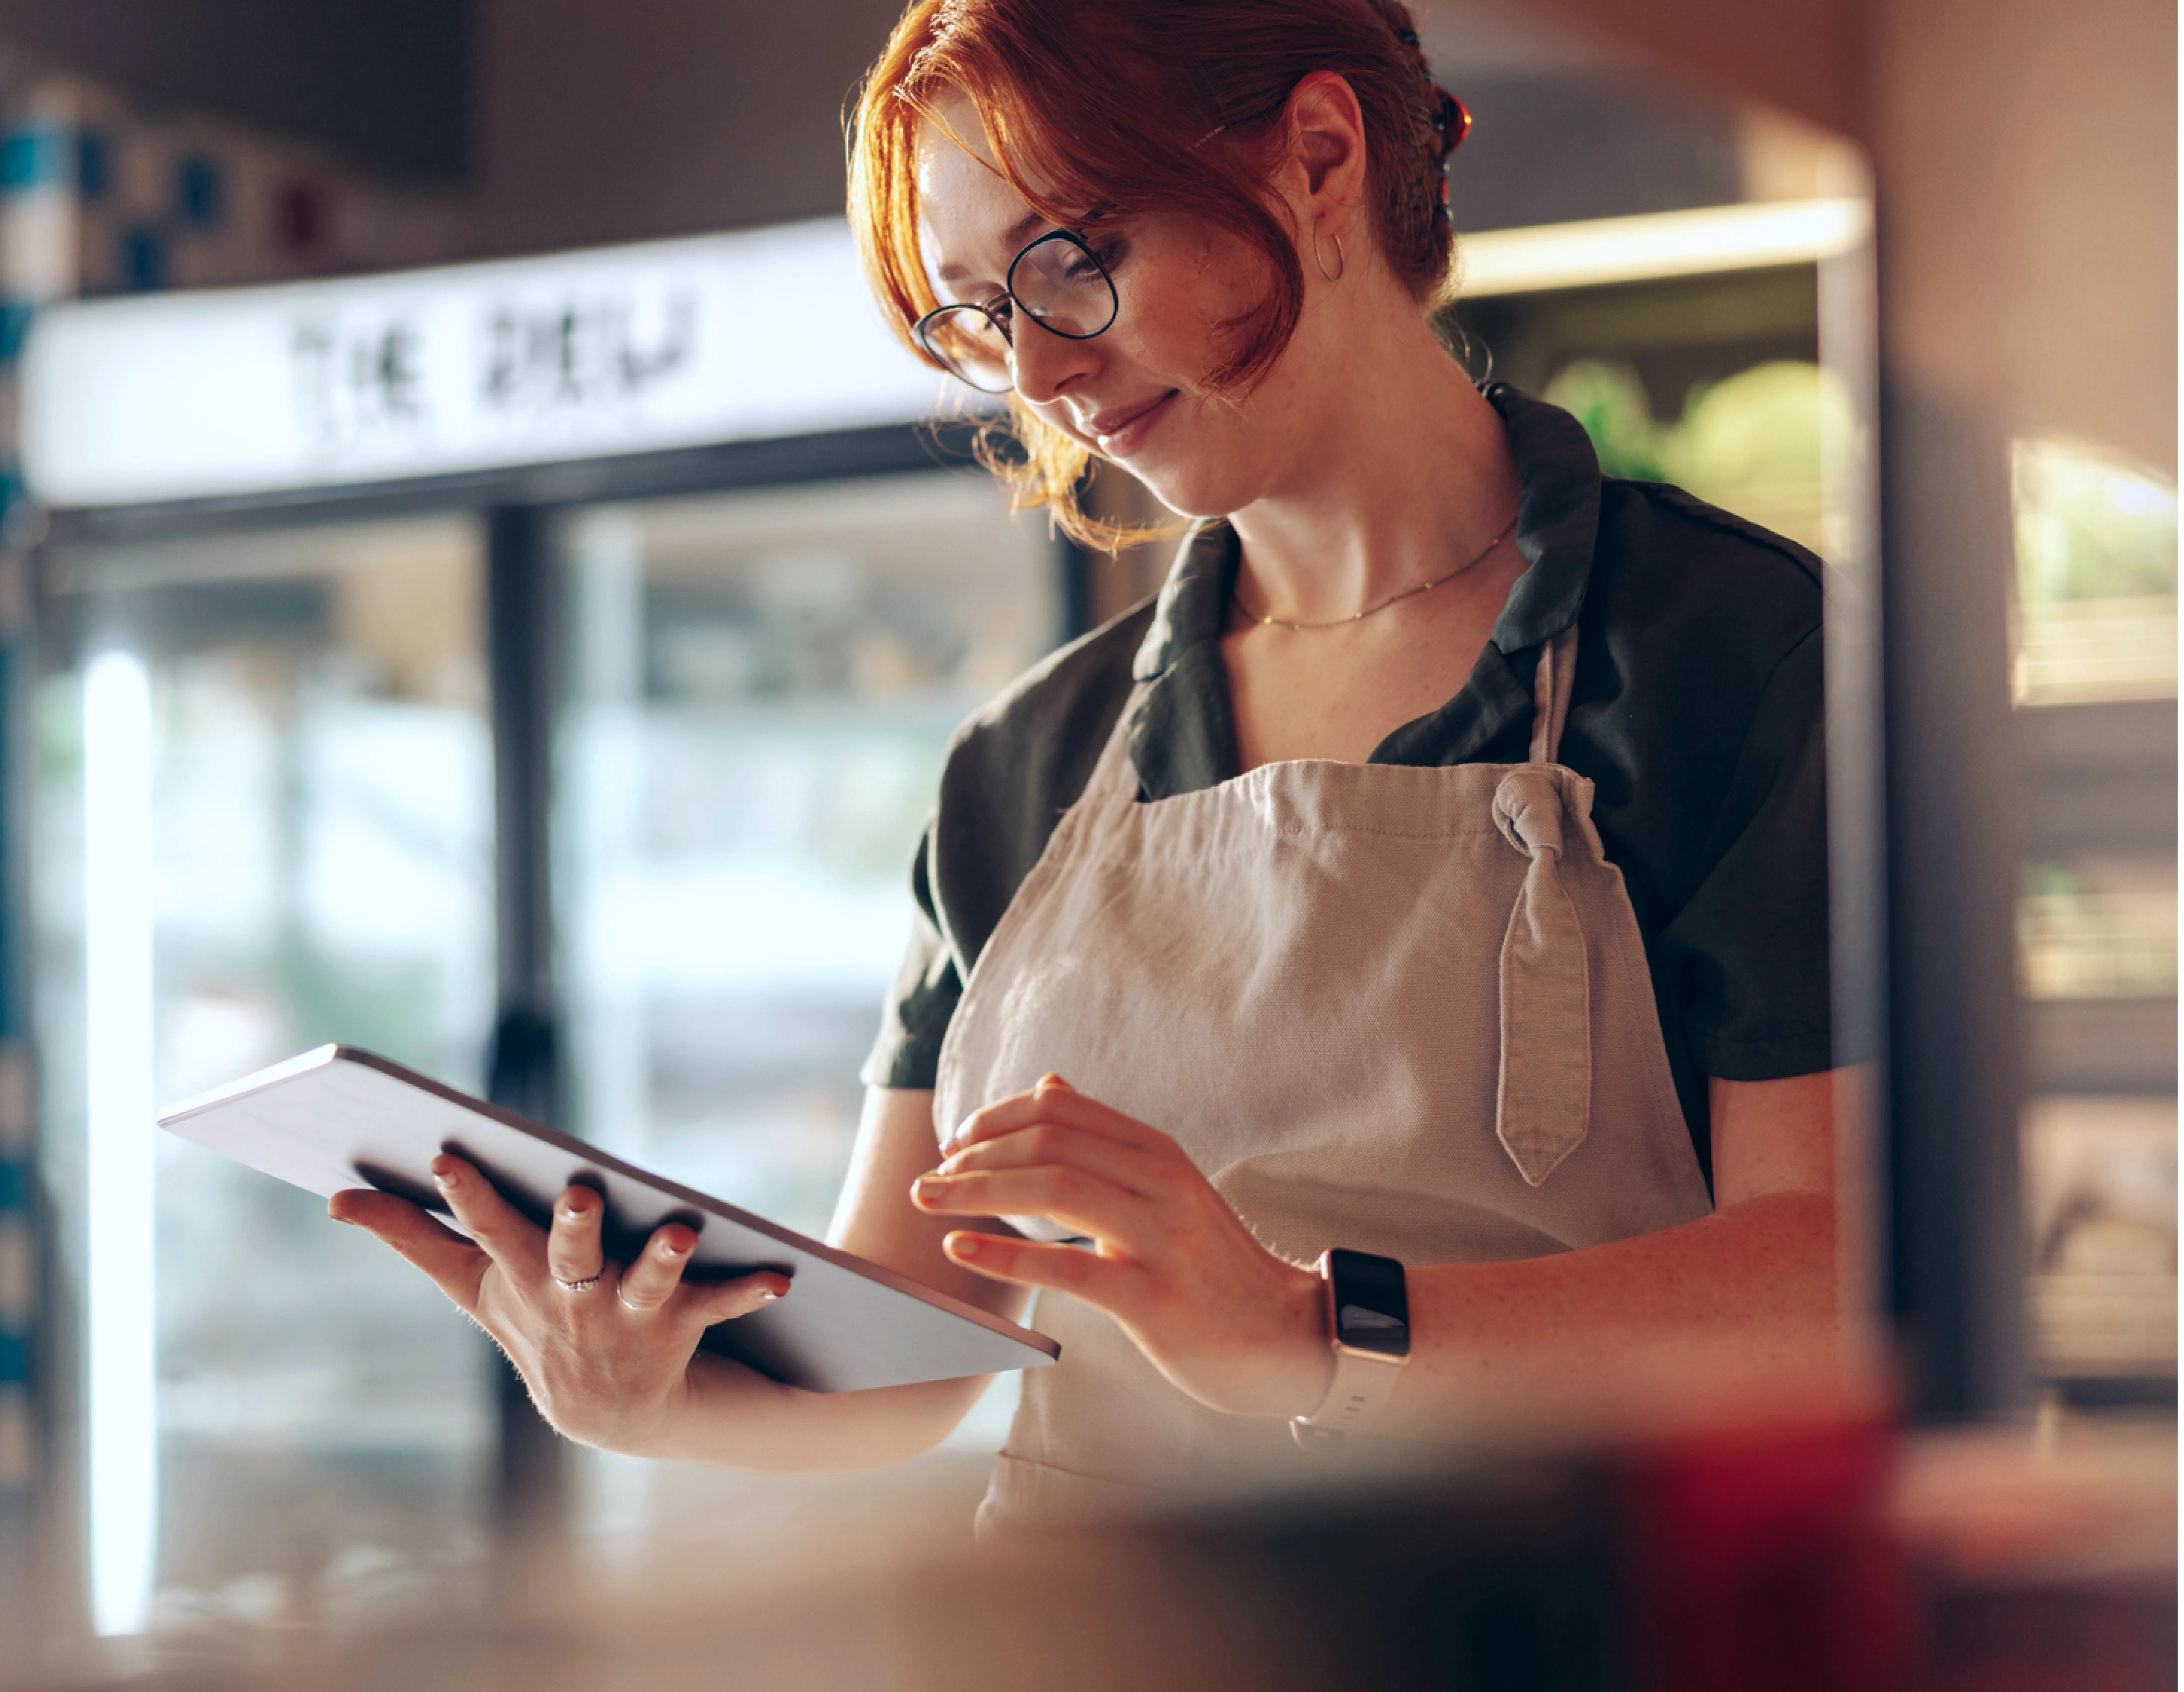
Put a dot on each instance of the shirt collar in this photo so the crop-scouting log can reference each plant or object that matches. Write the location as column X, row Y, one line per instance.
column 1558, row 526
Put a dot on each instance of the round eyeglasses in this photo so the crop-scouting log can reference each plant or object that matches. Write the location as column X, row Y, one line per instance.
column 1055, row 281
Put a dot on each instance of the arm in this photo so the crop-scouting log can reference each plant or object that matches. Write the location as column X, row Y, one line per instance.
column 1734, row 1306
column 617, row 1365
column 1738, row 1304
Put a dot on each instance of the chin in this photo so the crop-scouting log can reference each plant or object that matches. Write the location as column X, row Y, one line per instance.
column 1196, row 490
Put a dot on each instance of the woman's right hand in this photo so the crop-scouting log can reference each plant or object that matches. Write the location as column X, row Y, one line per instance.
column 607, row 1366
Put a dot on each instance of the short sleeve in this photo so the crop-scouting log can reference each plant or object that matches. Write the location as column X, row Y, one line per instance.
column 1012, row 769
column 1750, row 947
column 915, row 1018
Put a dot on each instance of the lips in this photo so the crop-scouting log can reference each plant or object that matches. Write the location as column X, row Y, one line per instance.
column 1120, row 429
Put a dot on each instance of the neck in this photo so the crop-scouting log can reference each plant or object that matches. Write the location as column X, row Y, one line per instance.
column 1393, row 469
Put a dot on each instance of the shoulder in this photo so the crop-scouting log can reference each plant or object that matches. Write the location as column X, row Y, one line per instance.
column 1015, row 766
column 1073, row 694
column 1705, row 593
column 1651, row 529
column 1699, row 681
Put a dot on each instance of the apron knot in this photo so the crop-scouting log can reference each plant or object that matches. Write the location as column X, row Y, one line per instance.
column 1545, row 1095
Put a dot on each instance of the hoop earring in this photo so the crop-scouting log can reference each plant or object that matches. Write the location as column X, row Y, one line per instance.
column 1341, row 258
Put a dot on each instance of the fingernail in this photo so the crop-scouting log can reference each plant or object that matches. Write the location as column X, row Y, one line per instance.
column 766, row 1295
column 669, row 1248
column 444, row 1182
column 1051, row 1082
column 964, row 1244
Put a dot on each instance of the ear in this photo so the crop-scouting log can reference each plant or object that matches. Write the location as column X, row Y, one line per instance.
column 1327, row 171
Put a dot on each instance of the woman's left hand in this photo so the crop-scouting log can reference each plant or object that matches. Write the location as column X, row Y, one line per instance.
column 1237, row 1327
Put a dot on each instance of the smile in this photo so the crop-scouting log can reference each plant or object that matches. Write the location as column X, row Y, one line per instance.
column 1121, row 432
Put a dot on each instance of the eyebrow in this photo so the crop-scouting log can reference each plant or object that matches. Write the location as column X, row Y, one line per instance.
column 1014, row 235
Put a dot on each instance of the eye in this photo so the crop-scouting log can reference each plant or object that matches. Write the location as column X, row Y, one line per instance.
column 1086, row 261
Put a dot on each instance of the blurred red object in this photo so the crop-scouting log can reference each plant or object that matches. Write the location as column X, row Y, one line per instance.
column 1839, row 1555
column 1765, row 1557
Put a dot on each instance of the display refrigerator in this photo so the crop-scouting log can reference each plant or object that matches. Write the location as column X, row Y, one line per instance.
column 537, row 672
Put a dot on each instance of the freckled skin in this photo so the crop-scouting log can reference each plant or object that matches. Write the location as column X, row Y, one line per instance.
column 1344, row 489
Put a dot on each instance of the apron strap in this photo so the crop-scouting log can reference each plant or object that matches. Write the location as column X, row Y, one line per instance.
column 1550, row 694
column 1543, row 1103
column 1115, row 777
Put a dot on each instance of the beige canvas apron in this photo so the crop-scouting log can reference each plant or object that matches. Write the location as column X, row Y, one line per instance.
column 1400, row 1010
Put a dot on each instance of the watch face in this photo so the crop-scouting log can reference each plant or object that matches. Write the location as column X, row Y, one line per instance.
column 1372, row 1312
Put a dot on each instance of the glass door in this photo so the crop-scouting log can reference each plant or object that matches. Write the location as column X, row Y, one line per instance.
column 262, row 819
column 2093, row 669
column 761, row 688
column 759, row 691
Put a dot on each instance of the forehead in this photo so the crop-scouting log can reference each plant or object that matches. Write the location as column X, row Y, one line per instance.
column 972, row 220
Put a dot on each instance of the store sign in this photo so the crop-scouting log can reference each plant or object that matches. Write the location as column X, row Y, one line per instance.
column 678, row 343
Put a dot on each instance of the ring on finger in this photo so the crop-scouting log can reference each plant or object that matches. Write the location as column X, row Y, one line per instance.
column 582, row 1286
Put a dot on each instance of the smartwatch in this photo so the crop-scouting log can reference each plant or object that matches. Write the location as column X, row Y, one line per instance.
column 1369, row 1326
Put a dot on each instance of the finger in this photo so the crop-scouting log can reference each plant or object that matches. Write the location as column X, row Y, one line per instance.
column 572, row 1243
column 1134, row 1169
column 1102, row 1281
column 653, row 1276
column 455, row 1264
column 725, row 1301
column 1084, row 1201
column 509, row 1238
column 1063, row 1104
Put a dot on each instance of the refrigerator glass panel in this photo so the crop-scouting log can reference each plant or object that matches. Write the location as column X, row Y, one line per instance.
column 759, row 689
column 262, row 820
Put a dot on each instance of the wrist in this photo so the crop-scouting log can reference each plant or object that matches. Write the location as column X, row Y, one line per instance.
column 1308, row 1352
column 1368, row 1338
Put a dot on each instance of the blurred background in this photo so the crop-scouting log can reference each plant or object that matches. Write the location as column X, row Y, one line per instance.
column 477, row 582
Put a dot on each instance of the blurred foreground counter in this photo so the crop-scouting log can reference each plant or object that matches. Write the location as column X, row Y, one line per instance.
column 1782, row 1558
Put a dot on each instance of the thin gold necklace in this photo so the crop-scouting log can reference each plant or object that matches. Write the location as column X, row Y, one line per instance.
column 1374, row 610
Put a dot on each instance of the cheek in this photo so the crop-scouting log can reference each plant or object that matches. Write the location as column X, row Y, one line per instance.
column 1184, row 307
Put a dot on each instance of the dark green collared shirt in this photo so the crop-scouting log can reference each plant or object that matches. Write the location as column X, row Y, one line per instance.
column 1696, row 713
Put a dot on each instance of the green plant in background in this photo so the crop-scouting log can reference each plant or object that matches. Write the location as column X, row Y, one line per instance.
column 2091, row 526
column 1610, row 402
column 1755, row 443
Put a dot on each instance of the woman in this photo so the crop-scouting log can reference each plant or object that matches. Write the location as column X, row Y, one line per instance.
column 1435, row 872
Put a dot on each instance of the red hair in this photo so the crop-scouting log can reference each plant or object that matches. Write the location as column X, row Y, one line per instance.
column 1119, row 107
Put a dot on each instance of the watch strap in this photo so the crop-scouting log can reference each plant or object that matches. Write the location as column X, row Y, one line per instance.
column 1362, row 1385
column 1363, row 1380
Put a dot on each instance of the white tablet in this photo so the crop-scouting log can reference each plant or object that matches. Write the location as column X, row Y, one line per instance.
column 337, row 1117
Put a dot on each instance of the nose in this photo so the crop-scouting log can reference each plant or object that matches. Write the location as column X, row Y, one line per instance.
column 1045, row 363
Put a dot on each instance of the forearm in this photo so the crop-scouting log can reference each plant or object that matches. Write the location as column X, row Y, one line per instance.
column 731, row 1416
column 1736, row 1307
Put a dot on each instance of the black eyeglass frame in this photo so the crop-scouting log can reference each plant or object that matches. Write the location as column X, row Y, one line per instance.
column 1067, row 236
